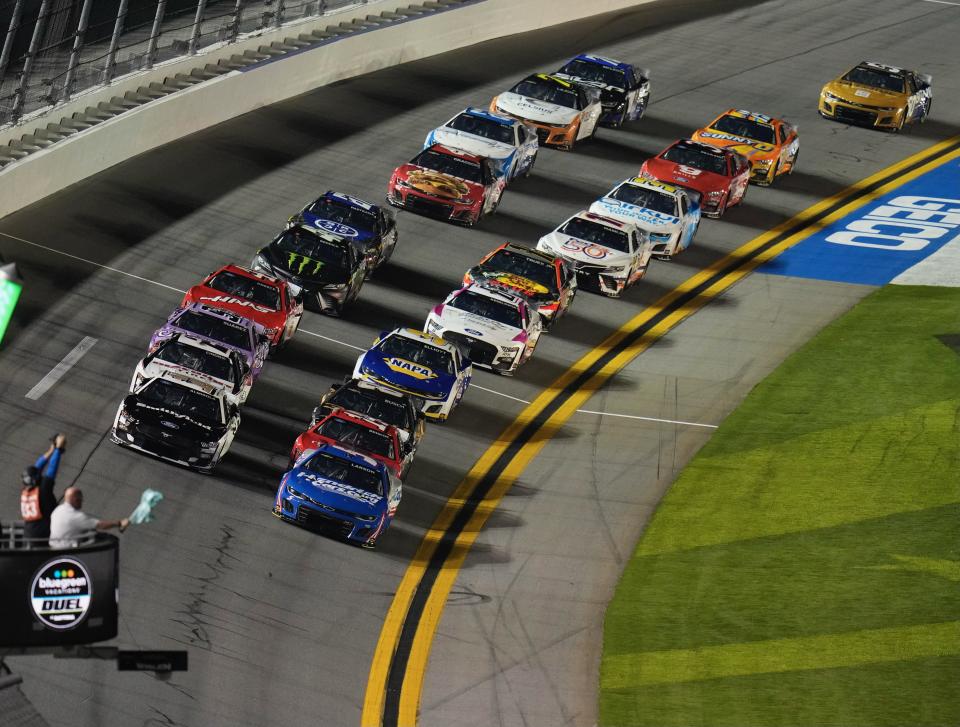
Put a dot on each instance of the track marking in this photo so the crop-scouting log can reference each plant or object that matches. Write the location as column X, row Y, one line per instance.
column 646, row 419
column 399, row 662
column 941, row 2
column 58, row 371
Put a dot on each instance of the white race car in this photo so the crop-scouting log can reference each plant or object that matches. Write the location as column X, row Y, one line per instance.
column 496, row 329
column 609, row 255
column 509, row 143
column 187, row 358
column 668, row 213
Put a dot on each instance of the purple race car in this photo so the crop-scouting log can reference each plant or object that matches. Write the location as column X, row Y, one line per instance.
column 216, row 325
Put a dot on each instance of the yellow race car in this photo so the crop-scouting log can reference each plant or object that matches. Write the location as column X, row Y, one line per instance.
column 879, row 96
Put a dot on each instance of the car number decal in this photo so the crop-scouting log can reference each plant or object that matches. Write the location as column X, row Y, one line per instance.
column 587, row 248
column 337, row 228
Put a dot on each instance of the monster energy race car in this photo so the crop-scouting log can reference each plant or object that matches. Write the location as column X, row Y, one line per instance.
column 326, row 267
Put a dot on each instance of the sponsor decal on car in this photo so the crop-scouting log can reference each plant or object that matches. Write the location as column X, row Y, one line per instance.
column 437, row 184
column 236, row 301
column 336, row 228
column 353, row 493
column 298, row 263
column 587, row 248
column 473, row 332
column 417, row 371
column 520, row 283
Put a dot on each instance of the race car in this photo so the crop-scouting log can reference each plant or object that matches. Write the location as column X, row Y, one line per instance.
column 771, row 145
column 609, row 255
column 879, row 96
column 391, row 407
column 218, row 326
column 511, row 144
column 188, row 358
column 370, row 227
column 262, row 298
column 544, row 279
column 448, row 184
column 340, row 493
column 669, row 214
column 187, row 422
column 720, row 175
column 494, row 328
column 562, row 112
column 624, row 89
column 328, row 269
column 357, row 433
column 430, row 370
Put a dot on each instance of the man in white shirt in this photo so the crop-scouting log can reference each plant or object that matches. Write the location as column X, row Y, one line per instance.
column 68, row 523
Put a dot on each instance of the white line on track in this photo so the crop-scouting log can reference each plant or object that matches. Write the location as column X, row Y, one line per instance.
column 58, row 371
column 941, row 2
column 56, row 377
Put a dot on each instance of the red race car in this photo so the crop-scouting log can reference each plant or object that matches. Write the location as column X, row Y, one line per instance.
column 261, row 298
column 360, row 433
column 447, row 183
column 719, row 175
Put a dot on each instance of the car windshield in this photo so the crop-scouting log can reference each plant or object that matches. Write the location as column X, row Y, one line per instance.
column 303, row 247
column 232, row 334
column 357, row 436
column 240, row 286
column 697, row 158
column 417, row 352
column 596, row 233
column 595, row 72
column 651, row 199
column 875, row 78
column 181, row 400
column 197, row 359
column 508, row 261
column 330, row 208
column 342, row 470
column 455, row 166
column 386, row 408
column 745, row 127
column 547, row 91
column 487, row 307
column 480, row 126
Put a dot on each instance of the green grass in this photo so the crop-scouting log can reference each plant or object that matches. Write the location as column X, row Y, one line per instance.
column 804, row 569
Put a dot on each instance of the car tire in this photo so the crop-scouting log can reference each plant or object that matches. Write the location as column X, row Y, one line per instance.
column 772, row 178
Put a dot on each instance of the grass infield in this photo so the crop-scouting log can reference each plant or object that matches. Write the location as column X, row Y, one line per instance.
column 804, row 569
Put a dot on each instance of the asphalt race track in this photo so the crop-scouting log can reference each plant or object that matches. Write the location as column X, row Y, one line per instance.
column 281, row 624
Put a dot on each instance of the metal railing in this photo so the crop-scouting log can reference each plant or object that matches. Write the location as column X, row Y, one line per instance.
column 53, row 49
column 12, row 538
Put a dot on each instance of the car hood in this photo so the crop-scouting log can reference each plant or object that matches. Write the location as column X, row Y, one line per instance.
column 750, row 148
column 302, row 270
column 337, row 494
column 333, row 227
column 176, row 423
column 439, row 185
column 645, row 219
column 515, row 283
column 683, row 175
column 473, row 325
column 408, row 375
column 266, row 317
column 864, row 95
column 471, row 143
column 536, row 110
column 576, row 250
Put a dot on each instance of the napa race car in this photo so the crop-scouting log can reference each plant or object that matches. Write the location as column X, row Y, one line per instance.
column 187, row 422
column 430, row 370
column 771, row 145
column 609, row 255
column 327, row 268
column 563, row 112
column 624, row 89
column 340, row 493
column 669, row 214
column 544, row 279
column 448, row 184
column 879, row 96
column 188, row 358
column 720, row 175
column 494, row 328
column 509, row 143
column 368, row 226
column 218, row 326
column 262, row 298
column 392, row 407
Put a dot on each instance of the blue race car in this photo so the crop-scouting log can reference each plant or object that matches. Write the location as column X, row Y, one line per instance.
column 339, row 492
column 624, row 89
column 371, row 228
column 506, row 141
column 429, row 369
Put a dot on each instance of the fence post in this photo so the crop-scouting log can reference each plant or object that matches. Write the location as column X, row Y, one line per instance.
column 115, row 42
column 155, row 33
column 235, row 23
column 75, row 52
column 20, row 95
column 195, row 35
column 8, row 41
column 278, row 18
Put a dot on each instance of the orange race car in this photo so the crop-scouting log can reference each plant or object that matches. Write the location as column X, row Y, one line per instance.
column 771, row 145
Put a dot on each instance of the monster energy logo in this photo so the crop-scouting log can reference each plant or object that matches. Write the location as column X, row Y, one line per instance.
column 293, row 257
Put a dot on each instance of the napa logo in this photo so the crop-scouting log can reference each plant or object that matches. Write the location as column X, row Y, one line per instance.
column 402, row 366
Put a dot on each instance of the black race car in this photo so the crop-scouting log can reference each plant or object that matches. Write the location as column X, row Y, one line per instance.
column 624, row 89
column 326, row 269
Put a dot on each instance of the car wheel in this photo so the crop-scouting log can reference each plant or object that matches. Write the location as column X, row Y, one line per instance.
column 772, row 177
column 903, row 120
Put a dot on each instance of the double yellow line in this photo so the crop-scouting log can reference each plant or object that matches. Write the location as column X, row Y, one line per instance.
column 395, row 682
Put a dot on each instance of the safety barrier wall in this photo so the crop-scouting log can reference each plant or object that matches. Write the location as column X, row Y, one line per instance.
column 212, row 102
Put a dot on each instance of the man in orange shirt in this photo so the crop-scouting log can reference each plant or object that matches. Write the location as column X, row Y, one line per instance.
column 37, row 500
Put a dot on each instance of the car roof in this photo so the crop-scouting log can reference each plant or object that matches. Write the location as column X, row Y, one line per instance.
column 324, row 235
column 549, row 78
column 492, row 290
column 459, row 153
column 603, row 220
column 881, row 67
column 371, row 389
column 546, row 257
column 348, row 200
column 749, row 115
column 370, row 422
column 603, row 61
column 490, row 116
column 350, row 455
column 210, row 310
column 188, row 382
column 203, row 344
column 649, row 183
column 701, row 147
column 422, row 337
column 248, row 273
